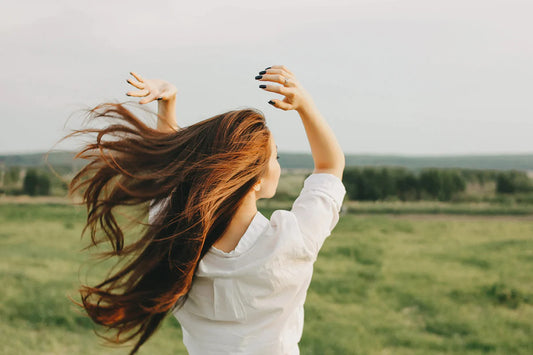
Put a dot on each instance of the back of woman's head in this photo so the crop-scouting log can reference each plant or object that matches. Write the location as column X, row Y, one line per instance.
column 200, row 175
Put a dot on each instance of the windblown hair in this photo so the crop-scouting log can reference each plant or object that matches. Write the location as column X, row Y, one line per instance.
column 200, row 175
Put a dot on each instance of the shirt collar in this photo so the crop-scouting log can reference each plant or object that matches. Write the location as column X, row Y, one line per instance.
column 254, row 230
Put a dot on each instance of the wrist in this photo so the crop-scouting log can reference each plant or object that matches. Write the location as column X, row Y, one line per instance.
column 307, row 109
column 167, row 101
column 167, row 114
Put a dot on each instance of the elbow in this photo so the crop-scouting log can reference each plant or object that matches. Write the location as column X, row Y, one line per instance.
column 336, row 170
column 334, row 166
column 339, row 163
column 342, row 161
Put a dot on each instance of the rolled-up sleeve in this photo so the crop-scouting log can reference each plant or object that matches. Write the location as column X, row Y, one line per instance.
column 317, row 209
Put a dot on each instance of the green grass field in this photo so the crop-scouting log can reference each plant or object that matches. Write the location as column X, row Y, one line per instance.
column 382, row 285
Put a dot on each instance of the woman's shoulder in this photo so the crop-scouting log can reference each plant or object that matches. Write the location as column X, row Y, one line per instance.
column 284, row 227
column 283, row 221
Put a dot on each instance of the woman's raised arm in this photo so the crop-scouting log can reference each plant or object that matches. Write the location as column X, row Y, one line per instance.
column 165, row 93
column 327, row 153
column 166, row 110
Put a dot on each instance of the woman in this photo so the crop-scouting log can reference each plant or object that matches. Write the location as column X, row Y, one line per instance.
column 235, row 280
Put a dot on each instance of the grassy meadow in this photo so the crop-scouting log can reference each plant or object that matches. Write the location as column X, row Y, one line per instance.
column 383, row 284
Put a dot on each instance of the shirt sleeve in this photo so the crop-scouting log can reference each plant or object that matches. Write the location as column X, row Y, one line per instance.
column 317, row 209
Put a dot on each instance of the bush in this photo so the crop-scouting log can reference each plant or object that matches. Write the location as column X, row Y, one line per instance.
column 368, row 184
column 510, row 182
column 442, row 184
column 11, row 175
column 372, row 184
column 36, row 183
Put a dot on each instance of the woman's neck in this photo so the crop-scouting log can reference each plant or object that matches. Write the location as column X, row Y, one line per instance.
column 238, row 225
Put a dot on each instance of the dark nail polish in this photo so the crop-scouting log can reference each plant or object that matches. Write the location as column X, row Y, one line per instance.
column 268, row 68
column 262, row 72
column 258, row 77
column 271, row 102
column 262, row 86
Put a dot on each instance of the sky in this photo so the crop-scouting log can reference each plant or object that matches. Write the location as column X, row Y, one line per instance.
column 410, row 77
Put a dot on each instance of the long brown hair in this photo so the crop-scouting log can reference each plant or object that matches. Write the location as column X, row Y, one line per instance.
column 203, row 171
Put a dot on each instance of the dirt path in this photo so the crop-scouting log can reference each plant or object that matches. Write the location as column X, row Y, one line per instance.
column 35, row 199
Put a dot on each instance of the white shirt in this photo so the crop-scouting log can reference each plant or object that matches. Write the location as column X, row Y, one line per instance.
column 250, row 300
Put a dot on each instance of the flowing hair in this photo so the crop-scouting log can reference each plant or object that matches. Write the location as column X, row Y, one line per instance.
column 199, row 175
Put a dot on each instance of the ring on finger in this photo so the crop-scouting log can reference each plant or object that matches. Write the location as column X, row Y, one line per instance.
column 286, row 81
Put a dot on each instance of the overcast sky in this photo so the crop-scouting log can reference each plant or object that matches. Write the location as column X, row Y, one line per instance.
column 411, row 77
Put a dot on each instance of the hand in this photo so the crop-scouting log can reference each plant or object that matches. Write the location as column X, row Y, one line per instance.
column 151, row 89
column 296, row 98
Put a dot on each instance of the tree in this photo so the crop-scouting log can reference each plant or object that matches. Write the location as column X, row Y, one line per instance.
column 29, row 185
column 451, row 183
column 36, row 183
column 407, row 186
column 43, row 185
column 442, row 184
column 12, row 175
column 430, row 182
column 513, row 181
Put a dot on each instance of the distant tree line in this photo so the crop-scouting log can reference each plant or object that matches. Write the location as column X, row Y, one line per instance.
column 29, row 181
column 381, row 183
column 362, row 183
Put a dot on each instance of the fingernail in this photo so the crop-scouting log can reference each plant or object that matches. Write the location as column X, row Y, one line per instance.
column 262, row 72
column 262, row 86
column 271, row 102
column 268, row 68
column 160, row 98
column 258, row 77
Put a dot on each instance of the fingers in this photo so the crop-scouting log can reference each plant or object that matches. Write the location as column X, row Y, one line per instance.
column 137, row 76
column 138, row 93
column 150, row 89
column 277, row 78
column 136, row 84
column 281, row 75
column 280, row 72
column 282, row 67
column 148, row 99
column 275, row 88
column 139, row 84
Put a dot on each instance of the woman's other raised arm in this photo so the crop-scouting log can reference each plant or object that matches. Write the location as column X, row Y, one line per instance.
column 166, row 110
column 165, row 93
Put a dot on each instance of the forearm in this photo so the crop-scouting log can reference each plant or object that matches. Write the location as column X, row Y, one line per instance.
column 166, row 109
column 326, row 151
